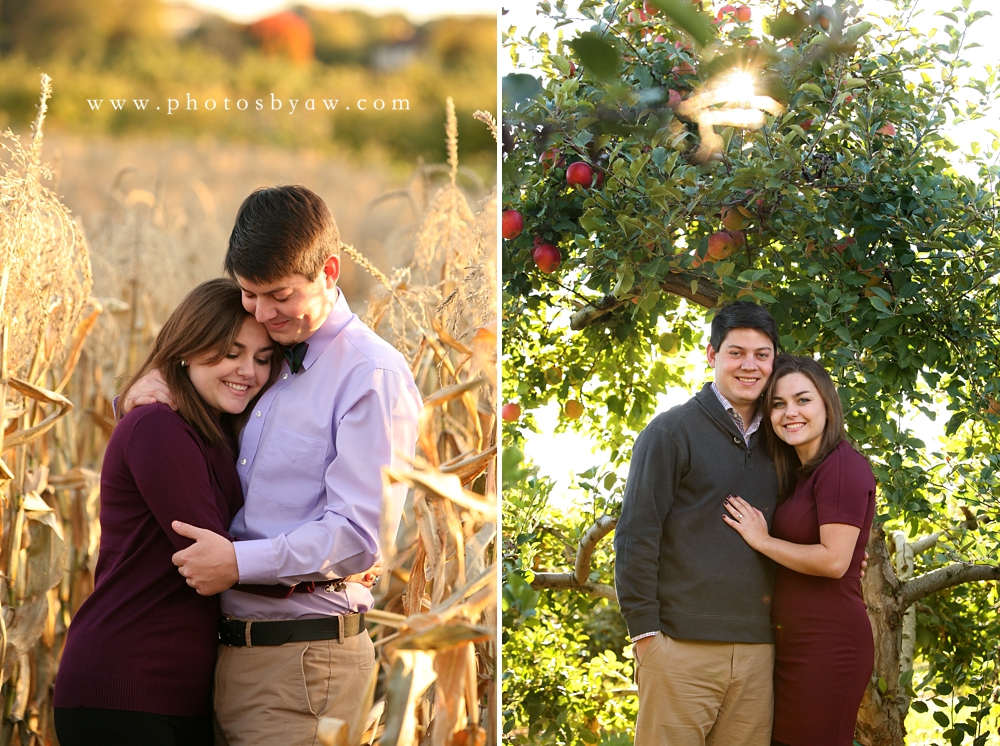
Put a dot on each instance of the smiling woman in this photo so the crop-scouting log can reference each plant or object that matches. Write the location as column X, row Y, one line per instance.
column 228, row 384
column 823, row 640
column 140, row 653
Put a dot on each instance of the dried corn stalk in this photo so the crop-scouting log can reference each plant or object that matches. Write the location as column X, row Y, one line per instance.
column 440, row 654
column 45, row 282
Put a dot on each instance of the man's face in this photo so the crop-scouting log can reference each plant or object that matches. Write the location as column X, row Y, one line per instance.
column 742, row 366
column 292, row 307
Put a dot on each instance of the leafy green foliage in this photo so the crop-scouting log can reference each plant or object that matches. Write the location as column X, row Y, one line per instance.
column 872, row 251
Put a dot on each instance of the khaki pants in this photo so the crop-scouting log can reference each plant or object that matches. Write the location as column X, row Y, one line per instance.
column 694, row 693
column 277, row 694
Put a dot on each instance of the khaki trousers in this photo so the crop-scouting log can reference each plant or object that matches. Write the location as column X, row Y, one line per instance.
column 694, row 693
column 270, row 695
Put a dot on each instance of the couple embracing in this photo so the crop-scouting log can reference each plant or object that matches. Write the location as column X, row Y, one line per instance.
column 746, row 493
column 246, row 475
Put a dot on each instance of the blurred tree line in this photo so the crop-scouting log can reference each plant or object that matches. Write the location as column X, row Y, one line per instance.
column 147, row 49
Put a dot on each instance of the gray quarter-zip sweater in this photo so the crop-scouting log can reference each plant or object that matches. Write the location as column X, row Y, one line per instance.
column 679, row 568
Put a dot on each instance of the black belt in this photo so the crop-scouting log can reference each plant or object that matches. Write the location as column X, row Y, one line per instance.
column 234, row 632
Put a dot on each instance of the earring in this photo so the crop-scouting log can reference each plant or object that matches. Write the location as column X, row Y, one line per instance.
column 184, row 363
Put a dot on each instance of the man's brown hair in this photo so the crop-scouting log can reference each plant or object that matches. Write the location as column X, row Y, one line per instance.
column 281, row 231
column 207, row 321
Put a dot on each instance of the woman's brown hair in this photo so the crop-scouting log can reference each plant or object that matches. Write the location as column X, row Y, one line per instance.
column 207, row 321
column 786, row 461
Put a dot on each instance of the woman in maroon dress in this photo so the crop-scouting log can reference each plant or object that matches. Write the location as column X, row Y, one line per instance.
column 824, row 651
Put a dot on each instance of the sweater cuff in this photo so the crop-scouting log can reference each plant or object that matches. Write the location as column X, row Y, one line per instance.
column 642, row 625
column 256, row 562
column 644, row 634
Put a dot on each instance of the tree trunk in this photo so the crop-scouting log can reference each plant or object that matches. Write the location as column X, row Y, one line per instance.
column 880, row 719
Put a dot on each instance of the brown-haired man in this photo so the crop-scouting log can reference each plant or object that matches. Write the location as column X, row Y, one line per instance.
column 695, row 597
column 310, row 459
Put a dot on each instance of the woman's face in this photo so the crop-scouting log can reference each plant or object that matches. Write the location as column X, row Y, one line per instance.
column 229, row 384
column 798, row 414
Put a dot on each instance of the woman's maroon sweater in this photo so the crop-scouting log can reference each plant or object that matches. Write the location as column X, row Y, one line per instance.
column 144, row 640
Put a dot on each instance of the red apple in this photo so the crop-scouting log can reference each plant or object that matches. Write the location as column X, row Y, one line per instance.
column 550, row 158
column 513, row 224
column 651, row 10
column 660, row 38
column 720, row 245
column 683, row 68
column 580, row 174
column 723, row 11
column 743, row 14
column 824, row 15
column 573, row 409
column 547, row 257
column 732, row 219
column 888, row 129
column 510, row 412
column 673, row 98
column 738, row 239
column 806, row 124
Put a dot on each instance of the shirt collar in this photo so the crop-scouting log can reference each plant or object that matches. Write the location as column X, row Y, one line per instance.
column 748, row 430
column 320, row 339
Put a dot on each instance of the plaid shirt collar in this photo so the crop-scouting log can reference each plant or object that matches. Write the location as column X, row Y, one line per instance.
column 737, row 418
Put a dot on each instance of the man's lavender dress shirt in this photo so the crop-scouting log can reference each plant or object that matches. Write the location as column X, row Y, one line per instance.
column 310, row 465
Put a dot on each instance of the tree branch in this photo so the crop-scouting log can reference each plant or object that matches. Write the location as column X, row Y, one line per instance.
column 677, row 283
column 954, row 574
column 579, row 578
column 566, row 580
column 588, row 543
column 925, row 542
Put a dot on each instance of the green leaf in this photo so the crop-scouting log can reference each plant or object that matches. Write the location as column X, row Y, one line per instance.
column 625, row 283
column 689, row 19
column 596, row 54
column 855, row 32
column 519, row 87
column 787, row 25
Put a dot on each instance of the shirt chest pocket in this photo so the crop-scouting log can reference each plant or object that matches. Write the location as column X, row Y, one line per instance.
column 291, row 469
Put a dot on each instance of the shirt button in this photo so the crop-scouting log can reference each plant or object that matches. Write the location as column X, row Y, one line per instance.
column 284, row 377
column 258, row 413
column 736, row 440
column 243, row 462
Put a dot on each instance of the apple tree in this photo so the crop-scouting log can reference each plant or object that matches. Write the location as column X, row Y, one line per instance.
column 668, row 157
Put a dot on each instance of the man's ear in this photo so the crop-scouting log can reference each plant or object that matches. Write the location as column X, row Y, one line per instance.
column 710, row 355
column 331, row 271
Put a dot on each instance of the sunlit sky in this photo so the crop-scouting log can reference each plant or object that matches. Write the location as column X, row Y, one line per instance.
column 249, row 10
column 562, row 456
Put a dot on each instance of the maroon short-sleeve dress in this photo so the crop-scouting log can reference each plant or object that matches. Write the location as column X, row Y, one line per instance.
column 824, row 652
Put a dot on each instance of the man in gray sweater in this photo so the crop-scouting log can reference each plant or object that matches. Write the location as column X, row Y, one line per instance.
column 695, row 597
